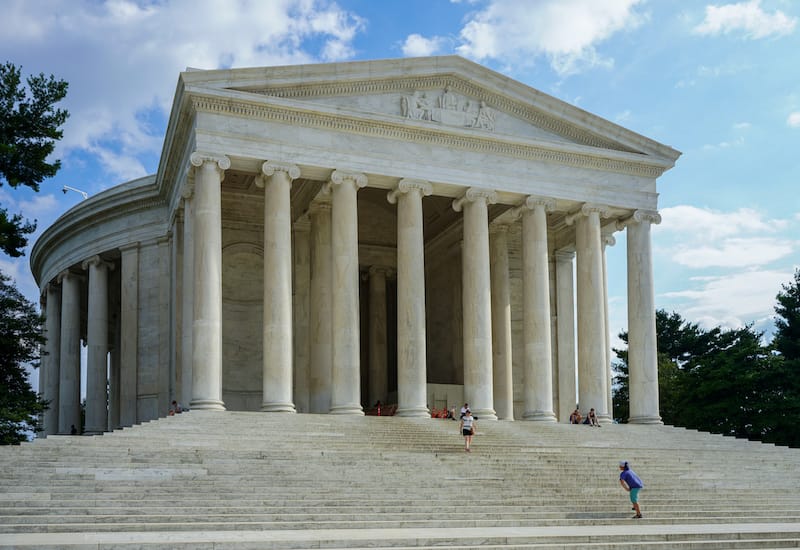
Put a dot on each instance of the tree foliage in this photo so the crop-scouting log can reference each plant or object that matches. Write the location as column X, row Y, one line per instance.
column 29, row 128
column 725, row 381
column 20, row 341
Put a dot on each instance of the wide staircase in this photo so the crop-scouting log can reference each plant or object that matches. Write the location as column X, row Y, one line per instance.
column 232, row 480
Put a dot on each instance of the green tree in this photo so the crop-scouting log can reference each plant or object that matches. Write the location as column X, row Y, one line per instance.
column 29, row 129
column 725, row 381
column 787, row 334
column 679, row 343
column 20, row 341
column 783, row 381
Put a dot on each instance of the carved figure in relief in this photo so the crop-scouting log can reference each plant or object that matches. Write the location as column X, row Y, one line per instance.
column 448, row 100
column 448, row 108
column 416, row 106
column 485, row 118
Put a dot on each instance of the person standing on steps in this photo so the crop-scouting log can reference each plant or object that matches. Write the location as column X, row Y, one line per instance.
column 468, row 426
column 631, row 483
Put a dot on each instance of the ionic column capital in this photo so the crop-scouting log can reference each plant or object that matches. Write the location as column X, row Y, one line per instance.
column 532, row 202
column 187, row 191
column 475, row 194
column 198, row 158
column 640, row 216
column 408, row 185
column 68, row 273
column 359, row 180
column 269, row 168
column 564, row 255
column 96, row 260
column 588, row 209
column 499, row 228
column 386, row 271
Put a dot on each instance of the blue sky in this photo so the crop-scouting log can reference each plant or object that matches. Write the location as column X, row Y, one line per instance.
column 718, row 81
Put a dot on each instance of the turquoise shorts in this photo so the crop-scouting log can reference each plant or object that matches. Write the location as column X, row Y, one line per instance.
column 635, row 494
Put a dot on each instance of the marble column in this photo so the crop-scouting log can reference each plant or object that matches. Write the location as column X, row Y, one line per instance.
column 69, row 389
column 320, row 306
column 502, row 380
column 378, row 376
column 477, row 304
column 642, row 352
column 538, row 366
column 300, row 305
column 277, row 326
column 129, row 335
column 187, row 295
column 346, row 375
column 591, row 313
column 565, row 333
column 97, row 346
column 51, row 359
column 608, row 240
column 114, row 378
column 412, row 388
column 207, row 321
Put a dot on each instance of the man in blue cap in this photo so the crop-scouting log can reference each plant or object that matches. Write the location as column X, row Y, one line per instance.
column 631, row 483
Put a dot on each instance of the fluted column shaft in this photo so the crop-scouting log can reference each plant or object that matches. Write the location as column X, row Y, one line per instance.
column 69, row 390
column 187, row 295
column 565, row 337
column 607, row 240
column 277, row 325
column 320, row 308
column 642, row 343
column 477, row 304
column 300, row 306
column 51, row 360
column 97, row 352
column 411, row 346
column 378, row 377
column 207, row 319
column 346, row 376
column 591, row 314
column 538, row 367
column 501, row 323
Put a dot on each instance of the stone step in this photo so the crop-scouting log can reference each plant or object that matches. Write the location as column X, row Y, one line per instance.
column 682, row 537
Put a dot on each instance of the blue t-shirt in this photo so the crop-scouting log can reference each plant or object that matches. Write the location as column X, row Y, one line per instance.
column 630, row 477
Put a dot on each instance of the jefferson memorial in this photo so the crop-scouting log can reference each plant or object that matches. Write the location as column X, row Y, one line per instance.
column 422, row 232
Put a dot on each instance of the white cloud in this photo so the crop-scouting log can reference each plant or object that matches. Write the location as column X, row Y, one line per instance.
column 747, row 18
column 705, row 224
column 144, row 45
column 566, row 32
column 737, row 253
column 731, row 300
column 794, row 120
column 419, row 46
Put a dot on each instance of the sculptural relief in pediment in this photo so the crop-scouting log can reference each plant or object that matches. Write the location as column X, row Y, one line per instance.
column 448, row 108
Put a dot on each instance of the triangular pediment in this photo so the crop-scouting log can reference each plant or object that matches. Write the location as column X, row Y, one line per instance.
column 433, row 92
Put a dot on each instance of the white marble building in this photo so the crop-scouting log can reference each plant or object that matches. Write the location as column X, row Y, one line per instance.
column 319, row 237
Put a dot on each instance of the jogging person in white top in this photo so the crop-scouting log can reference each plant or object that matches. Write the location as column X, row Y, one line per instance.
column 468, row 426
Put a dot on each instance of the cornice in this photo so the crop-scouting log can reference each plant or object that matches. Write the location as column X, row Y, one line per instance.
column 531, row 114
column 117, row 202
column 423, row 133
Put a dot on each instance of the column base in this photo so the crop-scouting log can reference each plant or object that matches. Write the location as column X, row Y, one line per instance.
column 347, row 409
column 539, row 416
column 413, row 412
column 94, row 432
column 484, row 414
column 278, row 407
column 645, row 420
column 605, row 419
column 206, row 405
